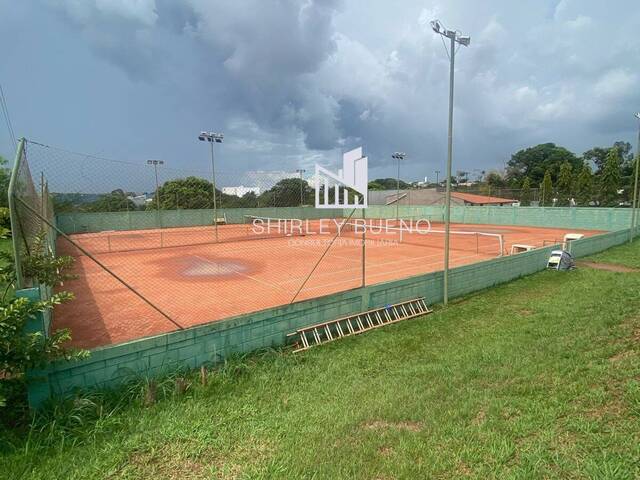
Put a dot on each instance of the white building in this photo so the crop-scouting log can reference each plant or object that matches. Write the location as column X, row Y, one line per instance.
column 240, row 191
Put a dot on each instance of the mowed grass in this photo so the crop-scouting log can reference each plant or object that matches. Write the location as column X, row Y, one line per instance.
column 539, row 378
column 628, row 255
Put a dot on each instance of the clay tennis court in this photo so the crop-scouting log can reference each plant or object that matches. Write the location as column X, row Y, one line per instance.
column 194, row 279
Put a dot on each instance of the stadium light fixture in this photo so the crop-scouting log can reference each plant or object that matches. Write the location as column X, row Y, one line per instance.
column 634, row 205
column 213, row 137
column 455, row 37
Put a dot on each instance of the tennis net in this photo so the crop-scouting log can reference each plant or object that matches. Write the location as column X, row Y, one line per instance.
column 402, row 231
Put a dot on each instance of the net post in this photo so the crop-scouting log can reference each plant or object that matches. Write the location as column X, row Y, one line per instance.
column 13, row 214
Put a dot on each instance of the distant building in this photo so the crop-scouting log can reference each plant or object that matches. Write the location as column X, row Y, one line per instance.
column 240, row 191
column 140, row 200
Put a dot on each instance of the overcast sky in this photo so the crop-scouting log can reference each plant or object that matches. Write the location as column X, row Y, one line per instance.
column 294, row 82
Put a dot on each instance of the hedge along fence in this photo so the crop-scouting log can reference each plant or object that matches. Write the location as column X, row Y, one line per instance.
column 84, row 222
column 210, row 343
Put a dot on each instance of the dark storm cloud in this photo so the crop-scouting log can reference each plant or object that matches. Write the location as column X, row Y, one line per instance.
column 293, row 82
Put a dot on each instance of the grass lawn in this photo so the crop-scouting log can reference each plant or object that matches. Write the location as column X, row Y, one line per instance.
column 539, row 378
column 628, row 255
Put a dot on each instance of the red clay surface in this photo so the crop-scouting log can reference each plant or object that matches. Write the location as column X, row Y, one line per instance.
column 194, row 280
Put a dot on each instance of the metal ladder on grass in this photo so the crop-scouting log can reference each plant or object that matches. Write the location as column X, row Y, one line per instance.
column 325, row 332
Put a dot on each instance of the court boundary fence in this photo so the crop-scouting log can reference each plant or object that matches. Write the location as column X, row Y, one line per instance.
column 31, row 215
column 109, row 366
column 211, row 343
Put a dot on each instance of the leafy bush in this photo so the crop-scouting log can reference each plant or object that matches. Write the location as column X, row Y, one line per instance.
column 19, row 350
column 5, row 220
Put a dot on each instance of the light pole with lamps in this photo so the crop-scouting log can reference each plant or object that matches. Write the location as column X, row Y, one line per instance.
column 464, row 40
column 301, row 171
column 398, row 156
column 212, row 138
column 155, row 164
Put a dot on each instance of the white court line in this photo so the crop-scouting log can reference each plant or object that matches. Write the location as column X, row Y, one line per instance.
column 379, row 264
column 324, row 285
column 332, row 255
column 332, row 273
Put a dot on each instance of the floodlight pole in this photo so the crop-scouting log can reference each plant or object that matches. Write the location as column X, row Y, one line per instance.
column 437, row 176
column 454, row 37
column 213, row 183
column 212, row 138
column 634, row 205
column 301, row 171
column 398, row 156
column 447, row 196
column 155, row 164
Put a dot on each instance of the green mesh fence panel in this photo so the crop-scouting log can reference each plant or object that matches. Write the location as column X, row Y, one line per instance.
column 30, row 203
column 590, row 218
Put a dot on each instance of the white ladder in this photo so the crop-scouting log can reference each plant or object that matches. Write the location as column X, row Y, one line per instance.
column 325, row 332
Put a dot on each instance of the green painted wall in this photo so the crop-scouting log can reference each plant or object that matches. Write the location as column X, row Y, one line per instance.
column 581, row 218
column 211, row 343
column 586, row 218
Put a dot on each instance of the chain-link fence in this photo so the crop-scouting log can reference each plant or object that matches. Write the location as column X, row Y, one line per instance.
column 461, row 195
column 158, row 248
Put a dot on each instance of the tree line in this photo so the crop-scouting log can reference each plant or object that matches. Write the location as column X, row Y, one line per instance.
column 188, row 193
column 600, row 177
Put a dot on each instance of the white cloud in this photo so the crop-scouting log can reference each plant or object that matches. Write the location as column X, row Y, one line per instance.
column 616, row 83
column 581, row 21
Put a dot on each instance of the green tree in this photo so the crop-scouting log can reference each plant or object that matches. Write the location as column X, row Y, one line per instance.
column 116, row 201
column 584, row 186
column 5, row 175
column 610, row 179
column 598, row 157
column 21, row 350
column 388, row 184
column 525, row 193
column 546, row 195
column 286, row 193
column 534, row 162
column 185, row 193
column 626, row 157
column 565, row 183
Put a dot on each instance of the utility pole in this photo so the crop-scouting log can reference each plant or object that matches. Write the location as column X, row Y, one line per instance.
column 464, row 40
